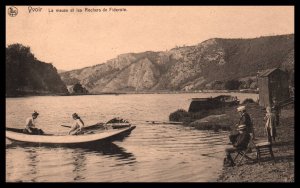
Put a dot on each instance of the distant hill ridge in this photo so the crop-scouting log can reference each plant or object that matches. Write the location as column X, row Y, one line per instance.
column 187, row 68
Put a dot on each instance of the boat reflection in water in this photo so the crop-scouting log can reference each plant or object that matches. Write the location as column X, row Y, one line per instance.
column 50, row 162
column 107, row 149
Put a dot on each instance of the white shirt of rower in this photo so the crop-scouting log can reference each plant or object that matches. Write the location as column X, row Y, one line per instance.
column 30, row 122
column 78, row 124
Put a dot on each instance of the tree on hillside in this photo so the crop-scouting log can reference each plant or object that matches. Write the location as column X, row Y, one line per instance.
column 17, row 59
column 79, row 89
column 292, row 78
column 26, row 74
column 219, row 85
column 245, row 84
column 232, row 84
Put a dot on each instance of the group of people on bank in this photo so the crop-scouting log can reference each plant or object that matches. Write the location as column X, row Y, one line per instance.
column 31, row 128
column 245, row 131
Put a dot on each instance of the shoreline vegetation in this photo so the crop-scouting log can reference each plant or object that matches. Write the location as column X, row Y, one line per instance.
column 249, row 171
column 31, row 94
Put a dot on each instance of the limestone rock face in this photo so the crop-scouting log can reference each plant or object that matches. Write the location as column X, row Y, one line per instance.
column 187, row 68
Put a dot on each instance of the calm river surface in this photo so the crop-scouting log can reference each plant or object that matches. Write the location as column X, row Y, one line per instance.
column 151, row 153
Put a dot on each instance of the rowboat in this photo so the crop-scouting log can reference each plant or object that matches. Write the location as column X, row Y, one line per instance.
column 92, row 135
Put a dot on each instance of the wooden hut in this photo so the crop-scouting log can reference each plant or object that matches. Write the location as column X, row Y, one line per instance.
column 272, row 83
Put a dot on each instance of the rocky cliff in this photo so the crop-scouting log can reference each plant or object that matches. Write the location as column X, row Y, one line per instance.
column 187, row 68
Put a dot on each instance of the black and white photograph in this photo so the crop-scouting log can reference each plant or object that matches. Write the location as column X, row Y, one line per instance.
column 149, row 93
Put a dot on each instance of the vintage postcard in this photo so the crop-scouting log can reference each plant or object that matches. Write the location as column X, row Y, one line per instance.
column 149, row 93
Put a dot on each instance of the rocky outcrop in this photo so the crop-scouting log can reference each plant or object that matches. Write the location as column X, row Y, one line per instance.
column 213, row 122
column 187, row 68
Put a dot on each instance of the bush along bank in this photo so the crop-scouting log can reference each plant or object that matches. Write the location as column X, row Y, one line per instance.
column 223, row 118
column 215, row 119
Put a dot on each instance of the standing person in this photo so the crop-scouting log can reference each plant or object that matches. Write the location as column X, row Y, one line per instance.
column 77, row 126
column 276, row 109
column 270, row 124
column 240, row 142
column 30, row 126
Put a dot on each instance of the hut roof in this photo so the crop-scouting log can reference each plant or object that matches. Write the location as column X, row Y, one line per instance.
column 267, row 72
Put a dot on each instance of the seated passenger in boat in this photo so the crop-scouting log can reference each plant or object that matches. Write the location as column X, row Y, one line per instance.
column 77, row 126
column 30, row 127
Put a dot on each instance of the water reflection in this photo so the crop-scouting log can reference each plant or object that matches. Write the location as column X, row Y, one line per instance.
column 33, row 162
column 79, row 163
column 109, row 148
column 73, row 160
column 105, row 148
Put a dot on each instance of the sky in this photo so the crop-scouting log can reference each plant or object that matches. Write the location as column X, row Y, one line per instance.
column 73, row 40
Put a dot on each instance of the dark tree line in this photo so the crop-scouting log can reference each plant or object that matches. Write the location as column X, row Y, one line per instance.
column 79, row 89
column 27, row 75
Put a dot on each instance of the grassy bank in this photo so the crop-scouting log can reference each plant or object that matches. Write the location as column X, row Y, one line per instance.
column 223, row 118
column 283, row 148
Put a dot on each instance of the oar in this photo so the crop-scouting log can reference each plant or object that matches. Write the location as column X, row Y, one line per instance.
column 84, row 127
column 66, row 126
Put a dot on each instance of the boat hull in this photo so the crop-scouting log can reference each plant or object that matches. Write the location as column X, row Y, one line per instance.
column 102, row 135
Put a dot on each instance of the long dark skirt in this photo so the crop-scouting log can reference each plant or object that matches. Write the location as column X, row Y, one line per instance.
column 233, row 136
column 34, row 131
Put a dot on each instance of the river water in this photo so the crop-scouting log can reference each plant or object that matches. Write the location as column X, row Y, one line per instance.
column 151, row 153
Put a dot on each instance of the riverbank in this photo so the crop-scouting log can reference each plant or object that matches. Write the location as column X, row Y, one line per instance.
column 31, row 94
column 283, row 148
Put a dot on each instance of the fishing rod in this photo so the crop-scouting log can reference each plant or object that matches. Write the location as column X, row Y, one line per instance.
column 164, row 122
column 207, row 154
column 66, row 126
column 153, row 122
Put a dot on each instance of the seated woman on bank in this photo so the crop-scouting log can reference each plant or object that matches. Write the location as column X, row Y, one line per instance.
column 77, row 126
column 30, row 126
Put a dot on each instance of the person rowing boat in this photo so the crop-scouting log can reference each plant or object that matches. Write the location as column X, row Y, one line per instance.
column 77, row 126
column 30, row 127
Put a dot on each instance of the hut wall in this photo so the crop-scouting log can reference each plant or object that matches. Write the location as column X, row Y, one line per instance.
column 263, row 84
column 274, row 85
column 279, row 86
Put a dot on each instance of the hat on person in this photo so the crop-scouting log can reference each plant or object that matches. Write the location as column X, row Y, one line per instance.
column 241, row 108
column 241, row 127
column 35, row 113
column 75, row 115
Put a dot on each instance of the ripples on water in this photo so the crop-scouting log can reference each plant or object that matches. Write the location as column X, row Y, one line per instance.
column 159, row 152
